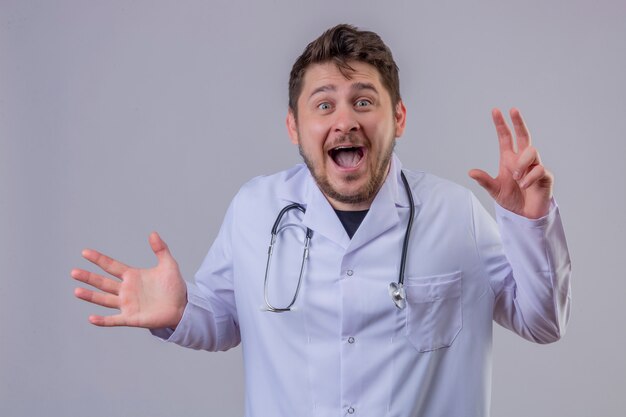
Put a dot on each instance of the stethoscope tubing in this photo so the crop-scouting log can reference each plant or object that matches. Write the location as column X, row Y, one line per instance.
column 270, row 250
column 409, row 227
column 396, row 290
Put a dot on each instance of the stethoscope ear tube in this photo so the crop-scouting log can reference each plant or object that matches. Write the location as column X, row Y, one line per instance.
column 396, row 290
column 270, row 250
column 282, row 213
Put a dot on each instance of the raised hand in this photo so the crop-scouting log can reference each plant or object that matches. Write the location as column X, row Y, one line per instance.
column 523, row 184
column 150, row 298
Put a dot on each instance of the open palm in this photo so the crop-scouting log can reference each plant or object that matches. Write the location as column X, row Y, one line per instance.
column 150, row 298
column 523, row 184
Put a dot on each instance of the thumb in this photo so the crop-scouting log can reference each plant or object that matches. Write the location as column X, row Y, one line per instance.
column 159, row 247
column 485, row 180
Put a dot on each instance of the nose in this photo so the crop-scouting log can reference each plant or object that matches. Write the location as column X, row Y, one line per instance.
column 345, row 120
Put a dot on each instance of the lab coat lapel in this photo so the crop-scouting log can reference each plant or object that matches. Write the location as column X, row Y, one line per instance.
column 388, row 203
column 320, row 216
column 382, row 215
column 322, row 219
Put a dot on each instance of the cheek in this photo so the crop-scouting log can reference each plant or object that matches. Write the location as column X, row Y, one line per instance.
column 312, row 136
column 317, row 131
column 378, row 131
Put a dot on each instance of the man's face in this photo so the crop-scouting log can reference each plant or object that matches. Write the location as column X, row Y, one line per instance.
column 346, row 130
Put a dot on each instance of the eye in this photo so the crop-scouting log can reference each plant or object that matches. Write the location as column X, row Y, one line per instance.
column 324, row 106
column 363, row 103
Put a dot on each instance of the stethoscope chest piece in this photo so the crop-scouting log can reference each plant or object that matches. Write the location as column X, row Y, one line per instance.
column 398, row 295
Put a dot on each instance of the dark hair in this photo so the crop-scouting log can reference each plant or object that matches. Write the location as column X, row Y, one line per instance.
column 342, row 44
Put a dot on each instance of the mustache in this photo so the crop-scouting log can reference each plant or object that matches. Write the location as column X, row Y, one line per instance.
column 349, row 139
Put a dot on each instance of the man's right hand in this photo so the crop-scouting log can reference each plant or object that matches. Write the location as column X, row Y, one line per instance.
column 151, row 298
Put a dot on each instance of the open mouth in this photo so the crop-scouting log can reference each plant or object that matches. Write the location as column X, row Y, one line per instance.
column 347, row 156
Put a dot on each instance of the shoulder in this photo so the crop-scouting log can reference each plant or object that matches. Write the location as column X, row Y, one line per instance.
column 276, row 181
column 287, row 185
column 443, row 202
column 429, row 188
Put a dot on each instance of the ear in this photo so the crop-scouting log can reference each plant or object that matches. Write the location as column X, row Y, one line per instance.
column 400, row 117
column 292, row 127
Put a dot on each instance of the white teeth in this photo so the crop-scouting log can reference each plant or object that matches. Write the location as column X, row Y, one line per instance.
column 343, row 147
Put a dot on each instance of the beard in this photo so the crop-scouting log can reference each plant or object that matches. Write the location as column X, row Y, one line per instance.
column 365, row 193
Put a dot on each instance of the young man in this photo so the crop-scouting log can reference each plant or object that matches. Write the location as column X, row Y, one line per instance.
column 378, row 296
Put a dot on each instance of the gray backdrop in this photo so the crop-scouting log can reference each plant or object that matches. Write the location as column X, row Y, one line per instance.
column 118, row 118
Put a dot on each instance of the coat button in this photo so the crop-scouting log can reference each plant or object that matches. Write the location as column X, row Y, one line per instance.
column 351, row 410
column 349, row 272
column 351, row 340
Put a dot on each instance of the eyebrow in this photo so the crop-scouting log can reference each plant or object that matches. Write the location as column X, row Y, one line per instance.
column 355, row 87
column 323, row 89
column 364, row 86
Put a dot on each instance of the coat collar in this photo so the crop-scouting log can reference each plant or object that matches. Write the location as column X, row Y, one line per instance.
column 300, row 187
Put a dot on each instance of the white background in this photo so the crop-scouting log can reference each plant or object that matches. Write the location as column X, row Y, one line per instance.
column 118, row 118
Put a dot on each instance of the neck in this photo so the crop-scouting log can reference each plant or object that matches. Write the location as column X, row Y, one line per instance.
column 338, row 205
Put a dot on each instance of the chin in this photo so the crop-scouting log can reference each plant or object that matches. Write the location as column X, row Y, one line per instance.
column 351, row 195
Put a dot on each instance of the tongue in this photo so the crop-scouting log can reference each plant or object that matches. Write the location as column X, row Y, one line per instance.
column 347, row 158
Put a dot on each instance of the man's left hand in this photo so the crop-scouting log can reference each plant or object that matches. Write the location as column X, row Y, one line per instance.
column 523, row 184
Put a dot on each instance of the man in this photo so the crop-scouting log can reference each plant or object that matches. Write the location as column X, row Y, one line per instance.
column 379, row 294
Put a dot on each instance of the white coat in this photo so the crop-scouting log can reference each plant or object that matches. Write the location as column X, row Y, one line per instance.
column 346, row 349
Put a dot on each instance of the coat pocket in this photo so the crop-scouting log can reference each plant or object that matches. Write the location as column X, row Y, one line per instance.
column 434, row 310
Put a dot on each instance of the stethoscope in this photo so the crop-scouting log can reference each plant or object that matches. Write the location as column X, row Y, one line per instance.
column 396, row 289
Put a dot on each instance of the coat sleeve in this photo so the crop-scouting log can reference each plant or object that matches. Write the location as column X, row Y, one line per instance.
column 210, row 321
column 529, row 269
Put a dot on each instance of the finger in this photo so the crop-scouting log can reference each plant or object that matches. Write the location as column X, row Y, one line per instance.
column 526, row 160
column 159, row 247
column 537, row 173
column 107, row 321
column 109, row 265
column 95, row 280
column 503, row 131
column 99, row 298
column 521, row 131
column 485, row 181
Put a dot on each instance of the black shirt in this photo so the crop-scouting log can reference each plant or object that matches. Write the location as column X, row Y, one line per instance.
column 351, row 220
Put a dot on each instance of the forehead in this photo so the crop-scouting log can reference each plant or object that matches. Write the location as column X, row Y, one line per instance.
column 328, row 73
